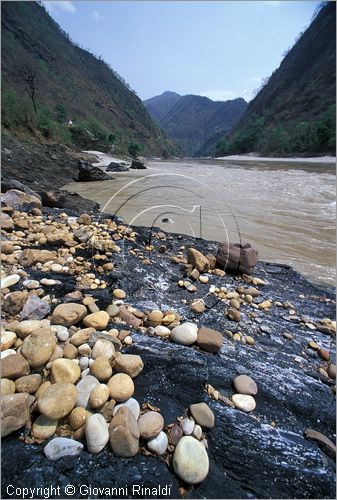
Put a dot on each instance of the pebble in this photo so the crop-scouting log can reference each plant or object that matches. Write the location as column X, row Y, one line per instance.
column 202, row 414
column 25, row 328
column 7, row 387
column 7, row 352
column 84, row 388
column 203, row 279
column 62, row 447
column 70, row 351
column 99, row 396
column 112, row 310
column 244, row 402
column 82, row 336
column 65, row 371
column 103, row 348
column 84, row 349
column 77, row 417
column 198, row 260
column 119, row 294
column 49, row 282
column 61, row 332
column 121, row 387
column 14, row 366
column 332, row 371
column 101, row 369
column 233, row 315
column 245, row 385
column 98, row 320
column 8, row 339
column 323, row 354
column 185, row 334
column 38, row 347
column 197, row 431
column 131, row 364
column 57, row 400
column 56, row 268
column 158, row 445
column 124, row 433
column 162, row 331
column 96, row 433
column 44, row 427
column 10, row 280
column 175, row 434
column 84, row 363
column 28, row 383
column 132, row 404
column 68, row 314
column 190, row 460
column 198, row 307
column 150, row 424
column 155, row 317
column 35, row 308
column 187, row 426
column 209, row 340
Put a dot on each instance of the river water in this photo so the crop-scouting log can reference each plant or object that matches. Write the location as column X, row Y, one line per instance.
column 286, row 210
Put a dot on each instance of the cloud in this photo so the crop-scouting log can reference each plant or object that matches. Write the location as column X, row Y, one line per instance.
column 64, row 6
column 97, row 16
column 220, row 95
column 273, row 3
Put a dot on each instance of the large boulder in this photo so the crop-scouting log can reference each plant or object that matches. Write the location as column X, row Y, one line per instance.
column 138, row 165
column 88, row 173
column 53, row 199
column 116, row 167
column 21, row 200
column 8, row 184
column 237, row 258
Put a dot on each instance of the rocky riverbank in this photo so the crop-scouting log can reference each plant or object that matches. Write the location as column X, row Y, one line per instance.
column 96, row 313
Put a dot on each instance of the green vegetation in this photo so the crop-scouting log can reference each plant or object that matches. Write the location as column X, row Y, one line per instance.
column 18, row 114
column 294, row 111
column 134, row 148
column 48, row 80
column 304, row 137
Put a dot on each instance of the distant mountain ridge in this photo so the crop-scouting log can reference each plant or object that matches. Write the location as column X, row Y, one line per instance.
column 295, row 111
column 191, row 120
column 158, row 106
column 69, row 83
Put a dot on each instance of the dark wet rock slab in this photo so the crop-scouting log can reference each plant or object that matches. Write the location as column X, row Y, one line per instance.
column 259, row 455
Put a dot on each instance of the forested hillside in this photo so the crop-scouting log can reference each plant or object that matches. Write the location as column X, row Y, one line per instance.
column 48, row 80
column 295, row 111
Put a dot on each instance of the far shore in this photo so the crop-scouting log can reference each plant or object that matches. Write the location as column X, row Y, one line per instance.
column 317, row 159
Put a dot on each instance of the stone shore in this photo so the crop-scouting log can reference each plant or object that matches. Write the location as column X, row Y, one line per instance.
column 129, row 357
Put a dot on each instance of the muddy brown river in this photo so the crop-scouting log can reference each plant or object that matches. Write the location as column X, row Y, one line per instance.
column 286, row 210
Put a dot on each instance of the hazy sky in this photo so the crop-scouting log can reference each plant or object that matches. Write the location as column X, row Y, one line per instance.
column 219, row 49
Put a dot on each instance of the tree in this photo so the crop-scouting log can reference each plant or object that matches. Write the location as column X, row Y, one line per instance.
column 28, row 74
column 134, row 148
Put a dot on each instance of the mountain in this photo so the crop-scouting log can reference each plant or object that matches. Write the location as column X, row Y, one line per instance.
column 193, row 119
column 295, row 112
column 159, row 105
column 48, row 80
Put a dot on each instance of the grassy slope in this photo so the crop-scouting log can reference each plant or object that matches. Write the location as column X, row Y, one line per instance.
column 71, row 78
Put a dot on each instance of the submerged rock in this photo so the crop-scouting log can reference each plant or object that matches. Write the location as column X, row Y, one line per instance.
column 88, row 173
